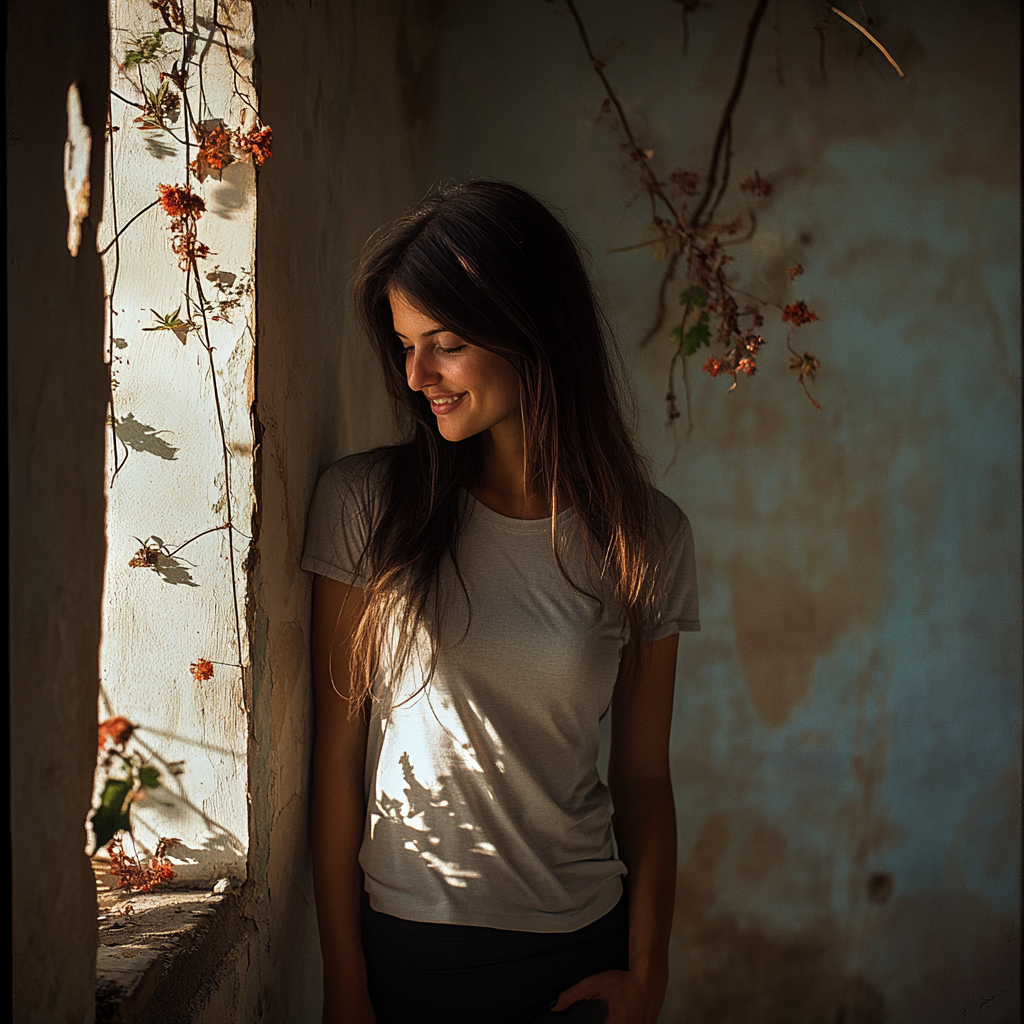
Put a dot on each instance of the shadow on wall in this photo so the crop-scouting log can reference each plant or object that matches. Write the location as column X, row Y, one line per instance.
column 169, row 810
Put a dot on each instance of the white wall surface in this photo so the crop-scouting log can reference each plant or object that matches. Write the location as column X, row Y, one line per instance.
column 169, row 482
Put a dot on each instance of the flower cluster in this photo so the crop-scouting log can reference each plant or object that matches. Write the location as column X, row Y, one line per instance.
column 797, row 313
column 256, row 142
column 184, row 208
column 202, row 670
column 741, row 358
column 214, row 150
column 115, row 731
column 132, row 875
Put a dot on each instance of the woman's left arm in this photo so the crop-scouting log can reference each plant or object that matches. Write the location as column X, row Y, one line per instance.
column 645, row 830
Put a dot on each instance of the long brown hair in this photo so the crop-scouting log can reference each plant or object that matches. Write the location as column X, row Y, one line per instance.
column 496, row 268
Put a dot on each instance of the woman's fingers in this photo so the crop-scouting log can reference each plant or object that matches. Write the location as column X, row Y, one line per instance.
column 621, row 991
column 607, row 986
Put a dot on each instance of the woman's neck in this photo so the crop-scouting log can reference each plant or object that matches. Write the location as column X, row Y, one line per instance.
column 501, row 483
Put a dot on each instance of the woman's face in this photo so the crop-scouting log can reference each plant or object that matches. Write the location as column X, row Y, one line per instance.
column 469, row 389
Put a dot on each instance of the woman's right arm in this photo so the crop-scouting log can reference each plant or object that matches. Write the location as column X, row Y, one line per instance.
column 338, row 807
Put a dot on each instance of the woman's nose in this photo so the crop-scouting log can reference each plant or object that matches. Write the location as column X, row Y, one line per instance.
column 420, row 370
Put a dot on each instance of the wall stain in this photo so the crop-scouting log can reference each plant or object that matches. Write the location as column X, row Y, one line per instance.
column 786, row 617
column 731, row 972
column 763, row 850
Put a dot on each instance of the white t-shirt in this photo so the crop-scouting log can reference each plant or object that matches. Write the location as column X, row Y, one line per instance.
column 484, row 804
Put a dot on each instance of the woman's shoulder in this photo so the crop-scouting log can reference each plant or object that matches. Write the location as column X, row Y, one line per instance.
column 353, row 487
column 361, row 474
column 670, row 520
column 346, row 503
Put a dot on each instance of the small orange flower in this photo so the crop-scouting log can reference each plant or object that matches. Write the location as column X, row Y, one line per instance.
column 116, row 731
column 180, row 204
column 202, row 670
column 714, row 366
column 214, row 150
column 795, row 271
column 256, row 142
column 797, row 313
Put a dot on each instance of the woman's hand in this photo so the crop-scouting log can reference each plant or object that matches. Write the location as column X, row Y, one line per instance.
column 630, row 1000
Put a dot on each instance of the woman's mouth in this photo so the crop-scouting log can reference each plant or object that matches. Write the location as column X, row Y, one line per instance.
column 446, row 403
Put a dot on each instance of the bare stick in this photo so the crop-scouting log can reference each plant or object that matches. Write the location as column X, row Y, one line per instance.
column 861, row 28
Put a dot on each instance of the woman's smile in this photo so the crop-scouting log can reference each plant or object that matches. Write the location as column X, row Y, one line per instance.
column 446, row 404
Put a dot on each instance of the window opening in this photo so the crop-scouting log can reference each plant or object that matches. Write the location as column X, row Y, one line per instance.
column 183, row 141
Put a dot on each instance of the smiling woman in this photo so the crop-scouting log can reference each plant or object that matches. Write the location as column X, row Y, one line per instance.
column 485, row 593
column 469, row 389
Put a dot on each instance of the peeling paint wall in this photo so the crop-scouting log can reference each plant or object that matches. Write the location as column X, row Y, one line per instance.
column 846, row 744
column 56, row 396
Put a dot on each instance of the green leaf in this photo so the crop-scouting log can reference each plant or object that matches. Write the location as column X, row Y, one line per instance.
column 699, row 334
column 111, row 816
column 149, row 776
column 696, row 297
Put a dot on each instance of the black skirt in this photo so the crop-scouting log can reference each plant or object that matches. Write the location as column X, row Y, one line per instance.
column 421, row 973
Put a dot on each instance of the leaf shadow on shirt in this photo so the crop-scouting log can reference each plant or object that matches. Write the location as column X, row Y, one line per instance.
column 435, row 825
column 446, row 824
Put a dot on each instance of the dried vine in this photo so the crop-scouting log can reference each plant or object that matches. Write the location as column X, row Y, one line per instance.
column 714, row 311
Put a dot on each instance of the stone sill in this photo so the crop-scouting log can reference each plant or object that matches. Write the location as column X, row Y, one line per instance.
column 161, row 962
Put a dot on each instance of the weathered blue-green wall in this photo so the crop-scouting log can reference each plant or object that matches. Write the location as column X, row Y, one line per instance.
column 851, row 710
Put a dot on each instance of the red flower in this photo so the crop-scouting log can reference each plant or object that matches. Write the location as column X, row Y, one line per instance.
column 184, row 208
column 214, row 150
column 747, row 365
column 117, row 731
column 256, row 142
column 756, row 186
column 795, row 271
column 714, row 366
column 202, row 670
column 180, row 204
column 798, row 313
column 130, row 874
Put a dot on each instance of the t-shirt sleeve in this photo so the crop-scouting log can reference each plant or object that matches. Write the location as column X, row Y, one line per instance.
column 338, row 525
column 675, row 609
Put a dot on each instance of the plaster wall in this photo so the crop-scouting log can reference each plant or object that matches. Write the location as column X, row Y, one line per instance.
column 56, row 399
column 348, row 89
column 846, row 742
column 166, row 470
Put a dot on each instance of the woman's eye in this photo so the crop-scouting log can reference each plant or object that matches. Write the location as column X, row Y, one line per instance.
column 454, row 348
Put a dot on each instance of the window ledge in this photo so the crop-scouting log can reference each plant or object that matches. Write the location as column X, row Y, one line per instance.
column 163, row 961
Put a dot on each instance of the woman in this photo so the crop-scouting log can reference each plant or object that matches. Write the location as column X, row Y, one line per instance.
column 483, row 594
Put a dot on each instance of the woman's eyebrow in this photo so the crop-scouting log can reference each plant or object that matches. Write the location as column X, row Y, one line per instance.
column 425, row 334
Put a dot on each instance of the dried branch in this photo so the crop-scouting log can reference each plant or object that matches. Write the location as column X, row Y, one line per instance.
column 861, row 28
column 648, row 178
column 725, row 125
